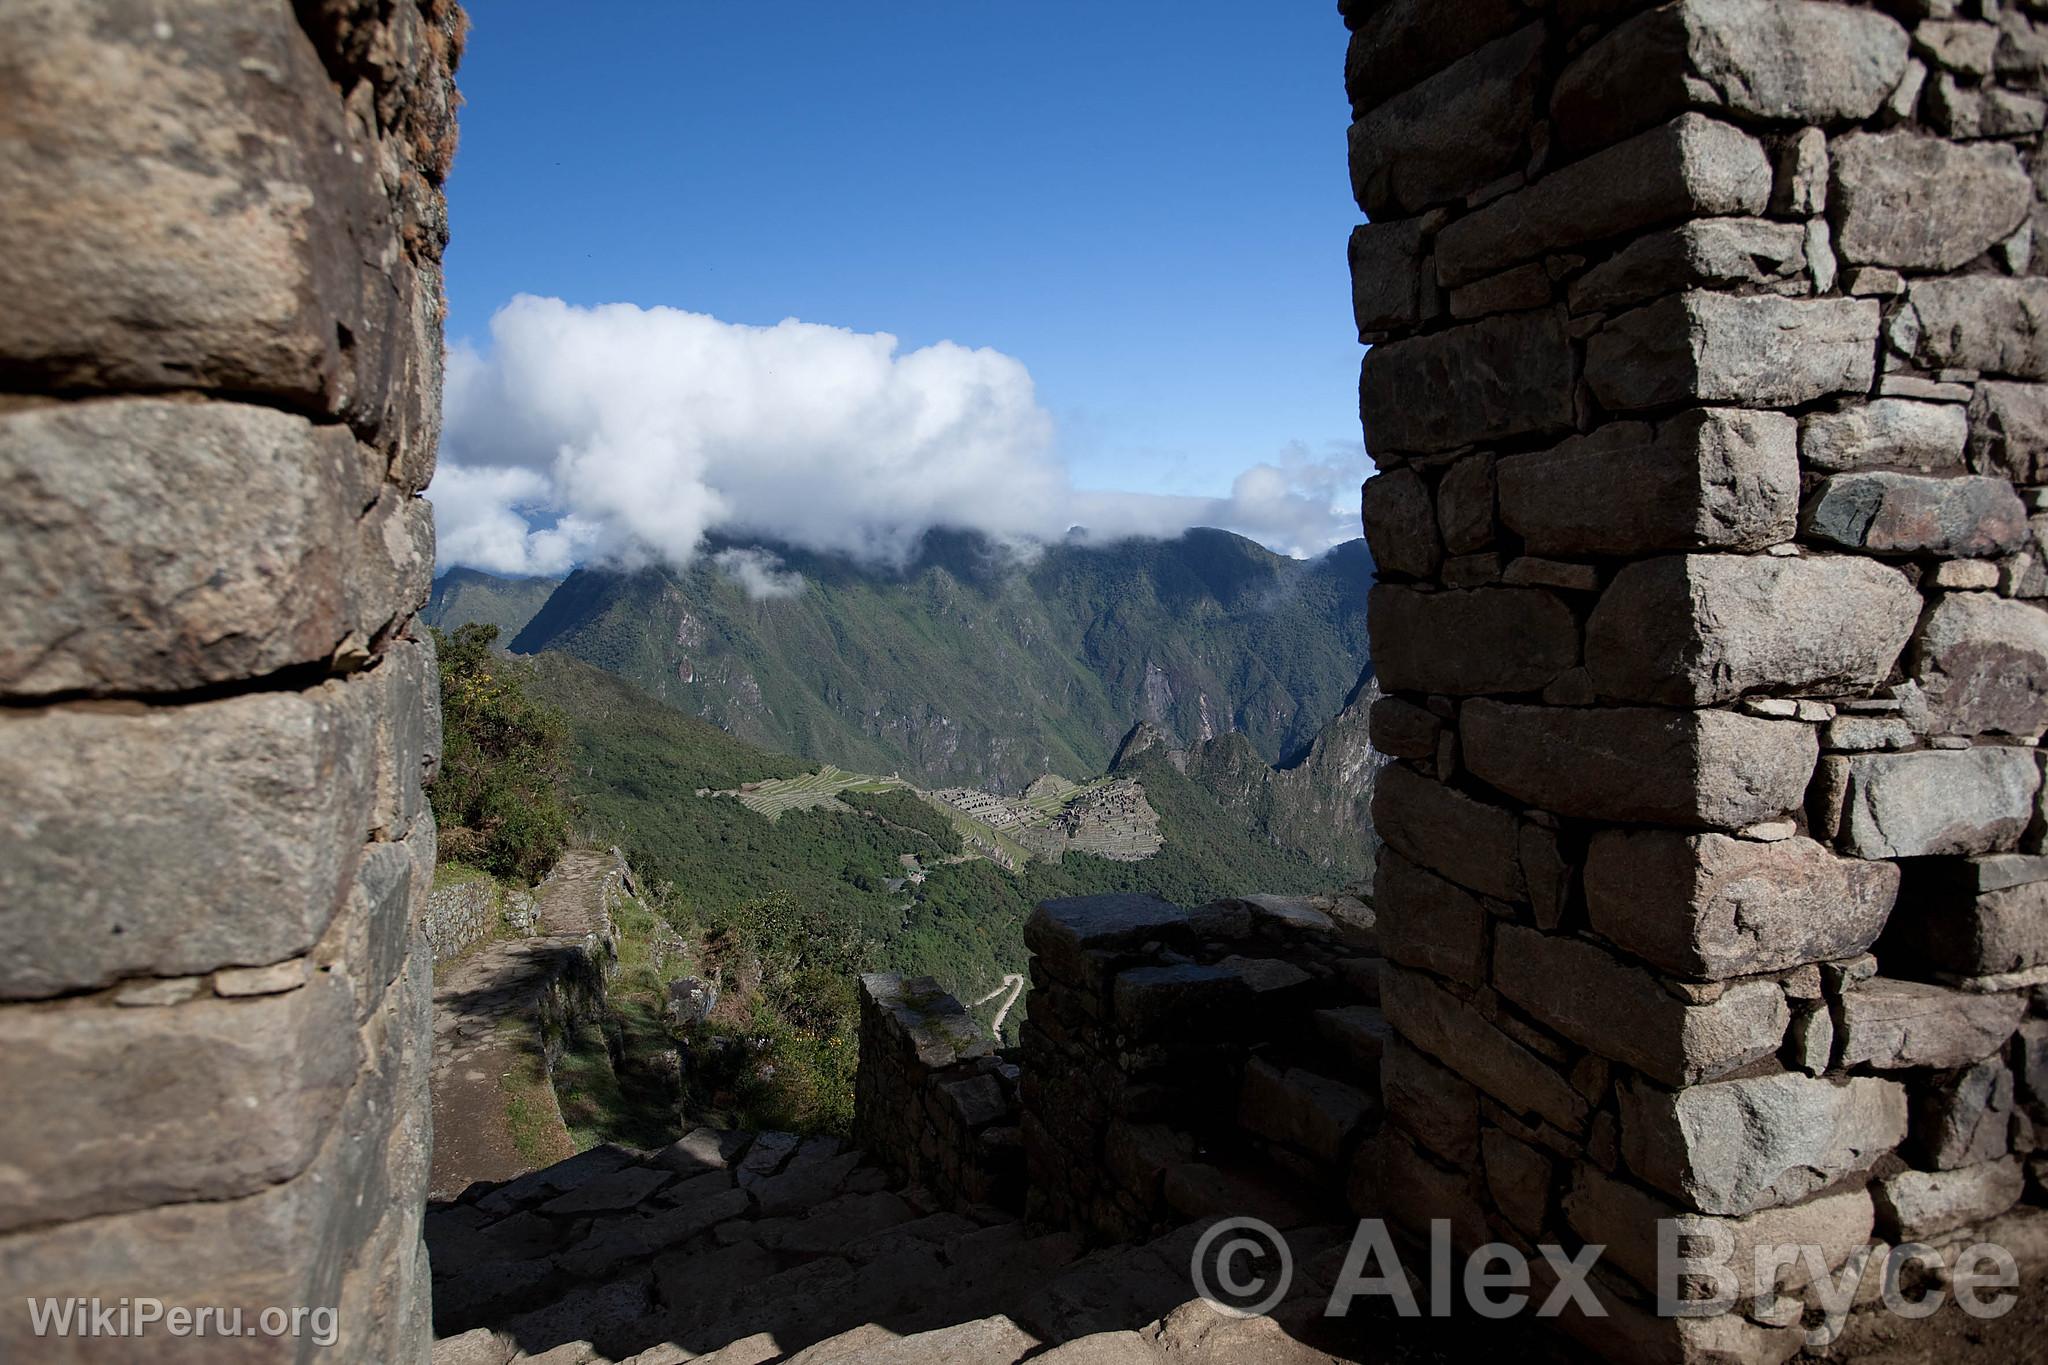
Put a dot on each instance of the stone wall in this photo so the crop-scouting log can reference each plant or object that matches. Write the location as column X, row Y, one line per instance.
column 1705, row 391
column 220, row 230
column 460, row 916
column 935, row 1102
column 1180, row 1064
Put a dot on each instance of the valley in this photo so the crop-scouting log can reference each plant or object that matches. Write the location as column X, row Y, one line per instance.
column 774, row 875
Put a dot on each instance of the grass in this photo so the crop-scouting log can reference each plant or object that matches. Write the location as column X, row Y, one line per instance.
column 453, row 874
column 532, row 1115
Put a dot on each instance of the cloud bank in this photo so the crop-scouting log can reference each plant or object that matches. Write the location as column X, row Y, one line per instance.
column 622, row 434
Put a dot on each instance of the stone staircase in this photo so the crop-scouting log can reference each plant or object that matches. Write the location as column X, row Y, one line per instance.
column 742, row 1249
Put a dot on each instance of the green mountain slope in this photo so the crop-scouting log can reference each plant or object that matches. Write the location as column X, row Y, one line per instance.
column 971, row 668
column 638, row 765
column 462, row 596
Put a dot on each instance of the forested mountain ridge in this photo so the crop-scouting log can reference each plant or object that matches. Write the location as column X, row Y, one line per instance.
column 971, row 666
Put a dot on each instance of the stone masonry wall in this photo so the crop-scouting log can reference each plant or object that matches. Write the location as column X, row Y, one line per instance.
column 935, row 1102
column 221, row 223
column 1705, row 388
column 1181, row 1064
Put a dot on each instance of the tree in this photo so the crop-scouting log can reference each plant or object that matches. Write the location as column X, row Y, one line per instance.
column 502, row 797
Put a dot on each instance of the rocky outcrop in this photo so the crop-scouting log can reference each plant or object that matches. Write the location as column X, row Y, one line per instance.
column 220, row 245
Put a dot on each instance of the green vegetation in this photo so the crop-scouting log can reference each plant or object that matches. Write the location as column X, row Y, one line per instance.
column 905, row 811
column 501, row 800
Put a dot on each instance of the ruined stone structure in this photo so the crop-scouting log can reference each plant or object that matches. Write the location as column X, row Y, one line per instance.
column 1176, row 1062
column 220, row 228
column 1707, row 342
column 935, row 1101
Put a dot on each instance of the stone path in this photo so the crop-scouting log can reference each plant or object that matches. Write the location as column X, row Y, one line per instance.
column 486, row 1026
column 739, row 1250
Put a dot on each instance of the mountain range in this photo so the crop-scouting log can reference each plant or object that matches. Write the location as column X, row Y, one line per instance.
column 971, row 665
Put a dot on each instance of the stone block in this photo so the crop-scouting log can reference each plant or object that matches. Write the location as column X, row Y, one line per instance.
column 1750, row 57
column 1707, row 479
column 1502, row 376
column 1944, row 927
column 1709, row 907
column 1065, row 934
column 157, row 546
column 1982, row 665
column 1180, row 1001
column 1401, row 42
column 1642, row 766
column 1907, row 514
column 2030, row 1062
column 1623, row 1012
column 1460, row 129
column 1630, row 1328
column 1359, row 1032
column 1937, row 803
column 233, row 844
column 1427, row 922
column 1401, row 729
column 1400, row 524
column 1474, row 844
column 1802, row 187
column 404, row 695
column 1447, row 1030
column 1511, row 291
column 1964, row 1118
column 281, row 1064
column 1988, row 323
column 1692, row 630
column 1719, row 348
column 1899, row 433
column 1431, row 1103
column 1969, row 111
column 1691, row 167
column 1300, row 1109
column 152, row 258
column 1923, row 203
column 1518, row 1177
column 1417, row 1192
column 1716, row 252
column 1888, row 1024
column 1733, row 1147
column 1958, row 46
column 2008, row 432
column 1499, row 640
column 1629, row 1221
column 1913, row 1205
column 1386, row 275
column 1465, row 505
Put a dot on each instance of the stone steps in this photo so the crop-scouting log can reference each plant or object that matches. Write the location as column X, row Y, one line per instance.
column 742, row 1249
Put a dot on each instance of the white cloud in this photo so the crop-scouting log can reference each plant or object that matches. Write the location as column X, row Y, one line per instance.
column 759, row 573
column 625, row 434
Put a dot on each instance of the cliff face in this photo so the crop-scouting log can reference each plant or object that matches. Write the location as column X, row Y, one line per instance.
column 1321, row 805
column 220, row 240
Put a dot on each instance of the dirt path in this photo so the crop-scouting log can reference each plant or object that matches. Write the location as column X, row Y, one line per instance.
column 486, row 1044
column 1014, row 984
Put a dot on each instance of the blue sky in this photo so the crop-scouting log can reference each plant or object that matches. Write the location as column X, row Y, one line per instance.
column 1143, row 204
